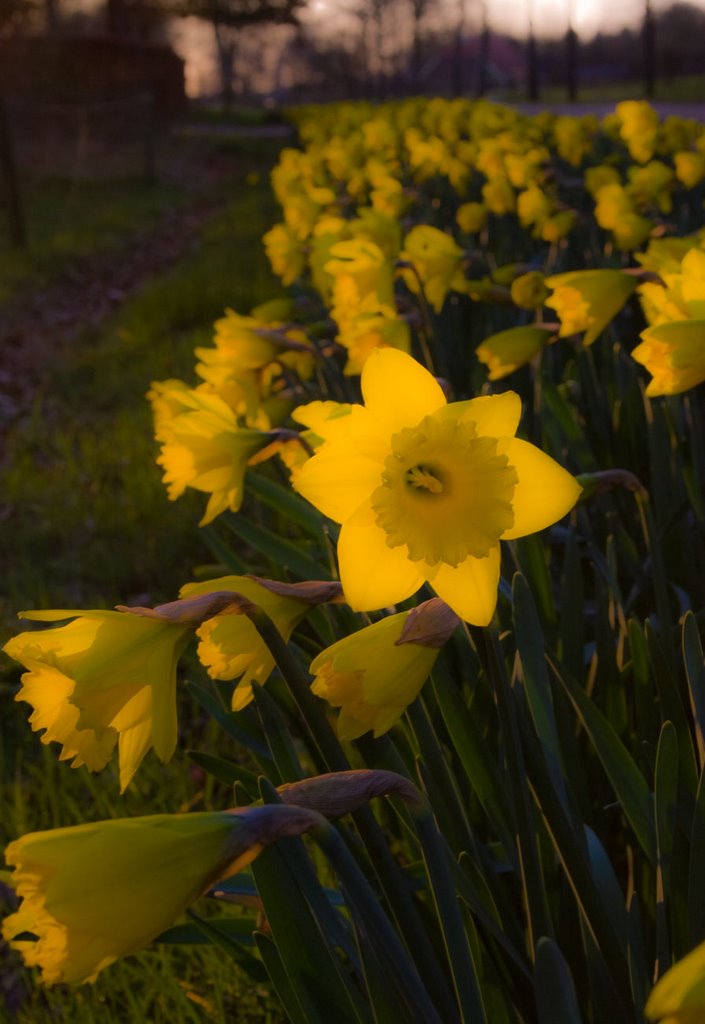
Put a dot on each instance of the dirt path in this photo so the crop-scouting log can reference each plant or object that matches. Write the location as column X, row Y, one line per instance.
column 47, row 317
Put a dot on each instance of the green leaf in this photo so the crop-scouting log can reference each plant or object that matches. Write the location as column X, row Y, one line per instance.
column 224, row 940
column 223, row 552
column 572, row 617
column 481, row 770
column 228, row 721
column 285, row 554
column 288, row 995
column 226, row 771
column 537, row 685
column 638, row 967
column 312, row 966
column 463, row 968
column 695, row 674
column 696, row 875
column 629, row 785
column 286, row 502
column 556, row 999
column 238, row 929
column 673, row 708
column 276, row 732
column 384, row 1002
column 665, row 795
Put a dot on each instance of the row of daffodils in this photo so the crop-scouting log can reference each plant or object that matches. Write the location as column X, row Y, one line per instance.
column 356, row 438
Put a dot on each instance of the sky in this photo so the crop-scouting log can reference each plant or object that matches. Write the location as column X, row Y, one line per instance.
column 193, row 40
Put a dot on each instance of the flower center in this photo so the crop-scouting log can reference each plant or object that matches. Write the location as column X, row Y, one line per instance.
column 445, row 492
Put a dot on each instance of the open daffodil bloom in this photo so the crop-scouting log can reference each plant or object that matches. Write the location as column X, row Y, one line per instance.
column 425, row 490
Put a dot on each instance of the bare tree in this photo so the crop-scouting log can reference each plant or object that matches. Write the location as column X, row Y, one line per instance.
column 419, row 10
column 229, row 16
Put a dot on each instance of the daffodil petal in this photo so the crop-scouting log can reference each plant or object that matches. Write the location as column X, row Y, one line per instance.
column 398, row 390
column 471, row 588
column 494, row 415
column 544, row 493
column 374, row 575
column 337, row 479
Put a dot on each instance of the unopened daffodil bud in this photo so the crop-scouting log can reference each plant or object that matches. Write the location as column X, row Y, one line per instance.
column 529, row 291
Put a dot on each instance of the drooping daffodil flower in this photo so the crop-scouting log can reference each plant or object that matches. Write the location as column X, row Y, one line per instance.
column 96, row 892
column 374, row 674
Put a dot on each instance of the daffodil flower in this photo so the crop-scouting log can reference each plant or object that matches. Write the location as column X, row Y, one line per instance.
column 374, row 674
column 425, row 490
column 94, row 893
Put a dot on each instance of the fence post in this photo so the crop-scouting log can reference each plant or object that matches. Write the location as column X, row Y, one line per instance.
column 10, row 184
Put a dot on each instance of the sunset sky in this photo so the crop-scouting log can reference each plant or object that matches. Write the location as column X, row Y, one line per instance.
column 193, row 40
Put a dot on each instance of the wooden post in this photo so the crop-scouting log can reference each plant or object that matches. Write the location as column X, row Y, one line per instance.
column 10, row 184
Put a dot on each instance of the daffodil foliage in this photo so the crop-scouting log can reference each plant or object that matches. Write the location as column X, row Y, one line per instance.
column 454, row 490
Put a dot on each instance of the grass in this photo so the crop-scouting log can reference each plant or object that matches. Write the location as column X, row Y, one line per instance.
column 681, row 89
column 69, row 220
column 86, row 518
column 86, row 523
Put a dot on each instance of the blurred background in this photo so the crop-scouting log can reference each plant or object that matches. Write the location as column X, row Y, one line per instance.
column 285, row 51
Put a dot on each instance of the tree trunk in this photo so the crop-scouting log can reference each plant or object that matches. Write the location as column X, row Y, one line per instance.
column 10, row 184
column 226, row 53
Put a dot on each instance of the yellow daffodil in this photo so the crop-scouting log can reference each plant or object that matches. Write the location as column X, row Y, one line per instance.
column 359, row 269
column 679, row 995
column 616, row 213
column 690, row 168
column 506, row 351
column 533, row 208
column 94, row 893
column 602, row 174
column 674, row 354
column 651, row 185
column 373, row 675
column 575, row 137
column 285, row 252
column 639, row 124
column 425, row 490
column 498, row 195
column 203, row 447
column 471, row 217
column 106, row 678
column 588, row 300
column 437, row 262
column 373, row 326
column 231, row 648
column 383, row 230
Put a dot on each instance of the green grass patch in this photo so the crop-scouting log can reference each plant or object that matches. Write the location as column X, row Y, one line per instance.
column 681, row 89
column 86, row 523
column 67, row 220
column 86, row 517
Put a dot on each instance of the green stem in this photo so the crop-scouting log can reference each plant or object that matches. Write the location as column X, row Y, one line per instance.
column 440, row 872
column 376, row 925
column 390, row 877
column 537, row 912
